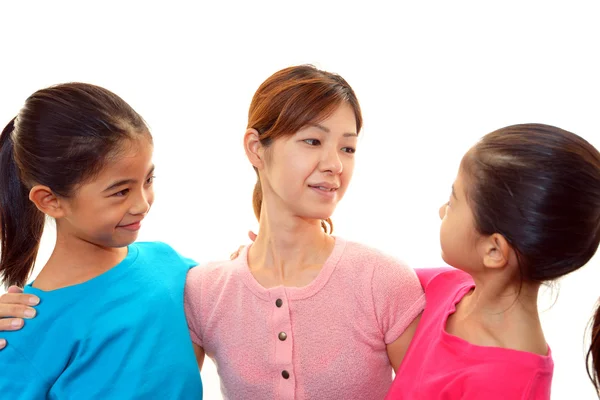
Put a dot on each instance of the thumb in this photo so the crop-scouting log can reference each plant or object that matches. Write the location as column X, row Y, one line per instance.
column 252, row 235
column 14, row 289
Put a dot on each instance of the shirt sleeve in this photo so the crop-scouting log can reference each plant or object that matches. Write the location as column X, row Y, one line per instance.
column 502, row 385
column 192, row 304
column 19, row 379
column 188, row 262
column 397, row 296
column 426, row 275
column 540, row 387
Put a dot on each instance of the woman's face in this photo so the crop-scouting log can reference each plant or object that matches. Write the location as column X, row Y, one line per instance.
column 307, row 173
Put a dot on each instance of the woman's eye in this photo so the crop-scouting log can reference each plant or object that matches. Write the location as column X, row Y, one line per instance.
column 312, row 142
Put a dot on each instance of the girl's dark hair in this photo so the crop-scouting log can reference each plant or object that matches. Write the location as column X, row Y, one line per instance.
column 289, row 100
column 539, row 187
column 61, row 137
column 592, row 359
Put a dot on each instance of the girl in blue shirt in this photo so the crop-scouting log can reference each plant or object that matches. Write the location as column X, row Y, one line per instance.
column 81, row 155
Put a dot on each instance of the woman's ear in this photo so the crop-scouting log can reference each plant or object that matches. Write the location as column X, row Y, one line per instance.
column 254, row 148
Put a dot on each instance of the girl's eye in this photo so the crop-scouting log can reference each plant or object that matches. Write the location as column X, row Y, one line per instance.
column 312, row 142
column 121, row 193
column 150, row 180
column 349, row 150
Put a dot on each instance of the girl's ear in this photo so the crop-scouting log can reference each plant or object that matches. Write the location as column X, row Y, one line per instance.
column 46, row 201
column 496, row 252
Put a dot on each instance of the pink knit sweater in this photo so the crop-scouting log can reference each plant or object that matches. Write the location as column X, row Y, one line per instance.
column 326, row 340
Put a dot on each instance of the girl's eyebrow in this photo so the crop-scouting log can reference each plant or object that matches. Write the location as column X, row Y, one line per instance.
column 126, row 181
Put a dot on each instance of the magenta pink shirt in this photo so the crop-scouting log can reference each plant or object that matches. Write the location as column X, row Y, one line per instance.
column 442, row 366
column 326, row 340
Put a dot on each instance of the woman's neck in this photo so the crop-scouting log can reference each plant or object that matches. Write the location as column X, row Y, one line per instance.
column 288, row 250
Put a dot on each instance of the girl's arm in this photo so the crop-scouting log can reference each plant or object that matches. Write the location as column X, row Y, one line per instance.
column 199, row 351
column 398, row 348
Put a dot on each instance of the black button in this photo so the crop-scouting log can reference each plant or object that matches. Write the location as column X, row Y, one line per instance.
column 278, row 302
column 282, row 336
column 285, row 374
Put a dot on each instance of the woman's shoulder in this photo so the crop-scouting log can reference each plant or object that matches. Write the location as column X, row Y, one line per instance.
column 377, row 268
column 368, row 255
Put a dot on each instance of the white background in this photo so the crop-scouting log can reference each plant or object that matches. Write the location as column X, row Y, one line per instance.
column 431, row 78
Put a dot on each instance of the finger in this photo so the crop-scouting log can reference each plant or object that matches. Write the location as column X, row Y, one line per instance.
column 11, row 324
column 16, row 311
column 252, row 235
column 19, row 298
column 2, row 344
column 236, row 253
column 15, row 289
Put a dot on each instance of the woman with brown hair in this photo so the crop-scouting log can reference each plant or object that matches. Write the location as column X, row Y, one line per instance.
column 301, row 314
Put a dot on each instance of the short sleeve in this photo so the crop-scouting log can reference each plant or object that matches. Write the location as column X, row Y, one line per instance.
column 187, row 262
column 506, row 382
column 19, row 378
column 398, row 297
column 426, row 275
column 540, row 386
column 192, row 304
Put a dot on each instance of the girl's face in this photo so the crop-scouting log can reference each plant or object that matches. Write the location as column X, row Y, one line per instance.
column 109, row 209
column 307, row 173
column 459, row 238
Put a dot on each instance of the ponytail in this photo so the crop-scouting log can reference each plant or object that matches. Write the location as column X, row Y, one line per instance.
column 593, row 355
column 21, row 223
column 327, row 225
column 257, row 198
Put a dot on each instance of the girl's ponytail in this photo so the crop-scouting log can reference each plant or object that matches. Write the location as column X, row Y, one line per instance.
column 21, row 223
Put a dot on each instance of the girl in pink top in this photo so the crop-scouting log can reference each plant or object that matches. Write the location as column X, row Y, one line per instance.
column 524, row 209
column 301, row 314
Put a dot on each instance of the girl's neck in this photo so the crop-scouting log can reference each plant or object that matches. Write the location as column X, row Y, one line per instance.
column 495, row 294
column 501, row 313
column 288, row 250
column 74, row 261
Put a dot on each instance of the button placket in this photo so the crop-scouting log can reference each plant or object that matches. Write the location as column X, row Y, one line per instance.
column 281, row 334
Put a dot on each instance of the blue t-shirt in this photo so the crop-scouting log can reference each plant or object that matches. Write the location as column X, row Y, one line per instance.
column 120, row 335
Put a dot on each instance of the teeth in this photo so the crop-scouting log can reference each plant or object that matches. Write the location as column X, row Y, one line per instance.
column 323, row 188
